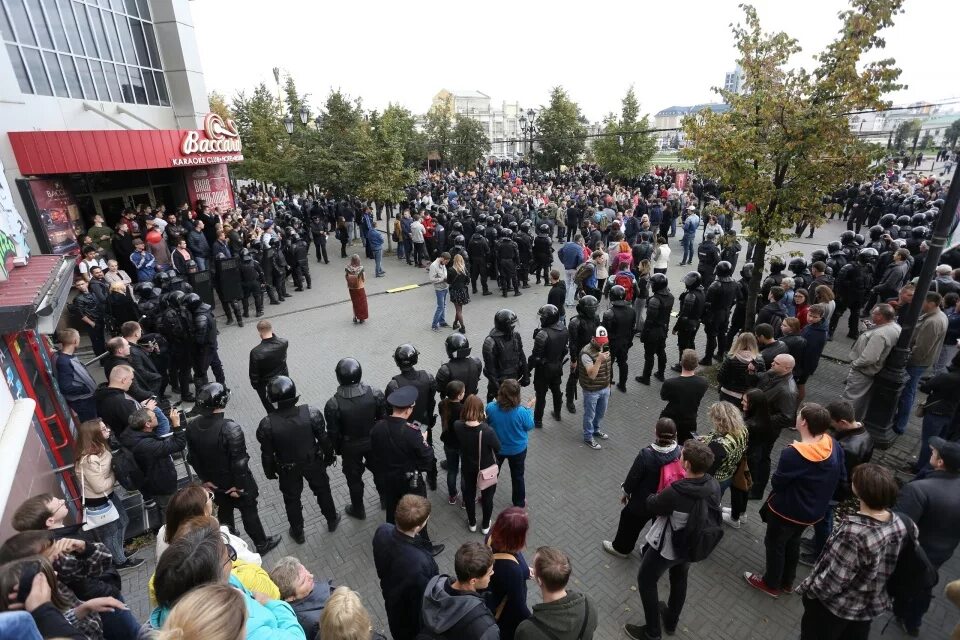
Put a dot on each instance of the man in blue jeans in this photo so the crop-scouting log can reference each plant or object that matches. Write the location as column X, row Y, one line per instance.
column 596, row 376
column 690, row 225
column 375, row 242
column 438, row 276
column 926, row 342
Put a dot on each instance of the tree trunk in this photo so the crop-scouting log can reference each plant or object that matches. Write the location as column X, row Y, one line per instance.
column 759, row 258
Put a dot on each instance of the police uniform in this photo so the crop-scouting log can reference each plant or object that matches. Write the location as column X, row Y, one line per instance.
column 460, row 367
column 692, row 302
column 720, row 298
column 619, row 321
column 582, row 328
column 503, row 354
column 549, row 350
column 423, row 410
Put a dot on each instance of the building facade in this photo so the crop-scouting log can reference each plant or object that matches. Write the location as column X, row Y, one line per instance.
column 670, row 120
column 733, row 80
column 502, row 123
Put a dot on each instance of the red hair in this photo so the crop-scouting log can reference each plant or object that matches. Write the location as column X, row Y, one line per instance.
column 509, row 532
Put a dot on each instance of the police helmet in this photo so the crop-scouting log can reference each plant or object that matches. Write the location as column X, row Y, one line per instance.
column 457, row 345
column 587, row 306
column 658, row 282
column 504, row 320
column 723, row 269
column 406, row 355
column 617, row 293
column 213, row 396
column 348, row 371
column 692, row 280
column 192, row 302
column 282, row 390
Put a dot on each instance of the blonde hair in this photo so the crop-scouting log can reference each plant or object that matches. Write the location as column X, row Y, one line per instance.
column 726, row 419
column 118, row 287
column 211, row 612
column 344, row 617
column 745, row 341
column 68, row 336
column 458, row 264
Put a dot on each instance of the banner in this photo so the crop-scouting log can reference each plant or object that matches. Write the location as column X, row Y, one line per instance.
column 681, row 179
column 56, row 213
column 14, row 250
column 210, row 184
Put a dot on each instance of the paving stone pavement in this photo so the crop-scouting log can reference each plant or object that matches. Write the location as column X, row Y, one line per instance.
column 573, row 491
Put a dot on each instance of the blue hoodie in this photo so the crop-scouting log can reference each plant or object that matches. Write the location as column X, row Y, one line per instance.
column 571, row 255
column 511, row 426
column 272, row 621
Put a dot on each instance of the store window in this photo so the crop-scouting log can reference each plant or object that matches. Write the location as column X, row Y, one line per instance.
column 68, row 48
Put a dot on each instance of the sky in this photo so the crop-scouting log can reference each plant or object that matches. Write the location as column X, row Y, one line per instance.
column 405, row 52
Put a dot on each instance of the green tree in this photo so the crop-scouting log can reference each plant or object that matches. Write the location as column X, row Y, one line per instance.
column 906, row 133
column 952, row 134
column 384, row 173
column 560, row 131
column 342, row 144
column 468, row 142
column 402, row 127
column 219, row 106
column 785, row 140
column 622, row 152
column 438, row 128
column 266, row 144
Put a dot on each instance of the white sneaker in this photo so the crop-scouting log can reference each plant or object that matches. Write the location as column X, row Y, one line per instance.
column 730, row 522
column 726, row 509
column 608, row 547
column 485, row 530
column 472, row 527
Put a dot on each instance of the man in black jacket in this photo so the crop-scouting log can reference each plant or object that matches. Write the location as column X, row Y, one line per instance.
column 550, row 343
column 152, row 452
column 503, row 353
column 405, row 564
column 772, row 313
column 557, row 295
column 582, row 328
column 218, row 453
column 770, row 347
column 89, row 310
column 619, row 321
column 780, row 389
column 656, row 324
column 692, row 301
column 267, row 361
column 294, row 446
column 406, row 356
column 146, row 381
column 114, row 402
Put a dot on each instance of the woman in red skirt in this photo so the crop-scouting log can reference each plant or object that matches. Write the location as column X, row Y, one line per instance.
column 358, row 295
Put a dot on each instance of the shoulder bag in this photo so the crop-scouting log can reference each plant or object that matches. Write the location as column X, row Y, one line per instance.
column 488, row 477
column 95, row 517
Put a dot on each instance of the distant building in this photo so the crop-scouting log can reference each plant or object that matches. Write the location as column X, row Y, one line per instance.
column 672, row 117
column 733, row 81
column 501, row 123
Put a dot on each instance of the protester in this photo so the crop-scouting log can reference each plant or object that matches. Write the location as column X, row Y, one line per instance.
column 868, row 355
column 306, row 596
column 479, row 449
column 507, row 593
column 564, row 614
column 454, row 608
column 355, row 285
column 683, row 395
column 345, row 618
column 728, row 442
column 740, row 368
column 512, row 423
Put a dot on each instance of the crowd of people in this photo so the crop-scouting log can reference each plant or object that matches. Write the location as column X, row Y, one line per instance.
column 136, row 299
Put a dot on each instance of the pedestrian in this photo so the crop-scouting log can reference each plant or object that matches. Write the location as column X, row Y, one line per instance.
column 728, row 442
column 75, row 382
column 595, row 368
column 405, row 565
column 353, row 273
column 418, row 236
column 557, row 295
column 661, row 256
column 925, row 345
column 455, row 608
column 343, row 235
column 344, row 616
column 479, row 450
column 932, row 502
column 295, row 446
column 691, row 222
column 803, row 484
column 643, row 480
column 761, row 435
column 507, row 593
column 571, row 256
column 512, row 424
column 438, row 276
column 672, row 508
column 780, row 390
column 816, row 333
column 868, row 355
column 951, row 341
column 267, row 361
column 450, row 408
column 459, row 280
column 90, row 310
column 683, row 395
column 152, row 446
column 847, row 587
column 375, row 245
column 939, row 409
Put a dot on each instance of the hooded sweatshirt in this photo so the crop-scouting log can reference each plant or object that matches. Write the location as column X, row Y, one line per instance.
column 450, row 613
column 673, row 505
column 563, row 619
column 805, row 480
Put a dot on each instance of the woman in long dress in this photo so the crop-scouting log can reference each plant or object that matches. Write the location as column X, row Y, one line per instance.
column 358, row 295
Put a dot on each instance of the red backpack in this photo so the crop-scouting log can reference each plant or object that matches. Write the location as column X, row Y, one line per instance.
column 626, row 282
column 670, row 473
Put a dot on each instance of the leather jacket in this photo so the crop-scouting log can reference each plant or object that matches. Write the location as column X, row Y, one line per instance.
column 268, row 360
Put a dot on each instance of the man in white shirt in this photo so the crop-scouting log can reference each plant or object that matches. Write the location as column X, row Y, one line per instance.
column 416, row 234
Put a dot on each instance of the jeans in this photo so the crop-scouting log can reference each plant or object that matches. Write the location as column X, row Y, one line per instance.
column 112, row 534
column 687, row 243
column 782, row 543
column 946, row 356
column 933, row 426
column 378, row 258
column 823, row 529
column 571, row 286
column 119, row 624
column 441, row 307
column 517, row 465
column 20, row 625
column 594, row 408
column 453, row 468
column 652, row 566
column 201, row 263
column 907, row 396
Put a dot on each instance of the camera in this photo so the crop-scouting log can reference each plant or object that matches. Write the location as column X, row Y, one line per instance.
column 413, row 479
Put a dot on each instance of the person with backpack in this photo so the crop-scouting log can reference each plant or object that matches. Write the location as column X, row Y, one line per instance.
column 654, row 468
column 453, row 608
column 932, row 501
column 802, row 486
column 563, row 614
column 847, row 588
column 686, row 530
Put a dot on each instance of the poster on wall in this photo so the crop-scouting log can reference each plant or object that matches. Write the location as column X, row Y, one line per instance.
column 210, row 184
column 14, row 250
column 53, row 213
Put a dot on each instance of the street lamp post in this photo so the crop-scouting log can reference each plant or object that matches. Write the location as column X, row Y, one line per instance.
column 523, row 131
column 888, row 384
column 531, row 116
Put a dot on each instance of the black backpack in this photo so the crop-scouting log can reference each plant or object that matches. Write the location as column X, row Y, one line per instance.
column 914, row 573
column 126, row 470
column 703, row 532
column 458, row 630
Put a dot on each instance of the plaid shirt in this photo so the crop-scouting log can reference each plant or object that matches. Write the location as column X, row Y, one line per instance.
column 850, row 576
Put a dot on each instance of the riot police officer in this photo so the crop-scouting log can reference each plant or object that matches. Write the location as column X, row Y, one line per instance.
column 460, row 367
column 582, row 328
column 218, row 453
column 406, row 356
column 294, row 446
column 479, row 250
column 837, row 258
column 401, row 453
column 508, row 256
column 203, row 327
column 692, row 303
column 300, row 265
column 738, row 317
column 550, row 342
column 772, row 280
column 619, row 321
column 542, row 254
column 227, row 281
column 351, row 414
column 720, row 298
column 655, row 328
column 503, row 353
column 525, row 253
column 491, row 233
column 251, row 283
column 279, row 270
column 173, row 324
column 708, row 255
column 852, row 284
column 801, row 274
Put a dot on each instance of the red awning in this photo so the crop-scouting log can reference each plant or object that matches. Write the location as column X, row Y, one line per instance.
column 53, row 152
column 25, row 288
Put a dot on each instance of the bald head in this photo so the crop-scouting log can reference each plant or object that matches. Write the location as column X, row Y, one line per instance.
column 121, row 376
column 783, row 364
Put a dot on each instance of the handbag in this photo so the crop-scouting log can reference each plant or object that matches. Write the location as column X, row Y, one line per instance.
column 96, row 517
column 742, row 478
column 488, row 477
column 921, row 409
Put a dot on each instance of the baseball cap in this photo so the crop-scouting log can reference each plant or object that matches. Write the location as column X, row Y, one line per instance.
column 601, row 336
column 948, row 451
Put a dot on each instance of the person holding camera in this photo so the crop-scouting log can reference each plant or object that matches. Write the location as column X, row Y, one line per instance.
column 152, row 446
column 401, row 454
column 596, row 376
